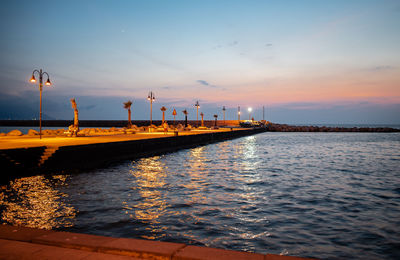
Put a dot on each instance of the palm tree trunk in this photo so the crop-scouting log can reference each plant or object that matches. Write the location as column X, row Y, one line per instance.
column 76, row 119
column 129, row 118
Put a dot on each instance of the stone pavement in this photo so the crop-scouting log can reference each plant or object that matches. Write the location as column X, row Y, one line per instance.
column 31, row 243
column 12, row 142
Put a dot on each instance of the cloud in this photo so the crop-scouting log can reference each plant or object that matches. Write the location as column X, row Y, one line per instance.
column 230, row 44
column 233, row 43
column 268, row 44
column 382, row 68
column 203, row 82
column 88, row 107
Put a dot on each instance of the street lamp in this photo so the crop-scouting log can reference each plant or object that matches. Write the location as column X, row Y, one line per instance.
column 239, row 114
column 48, row 83
column 151, row 98
column 249, row 109
column 215, row 125
column 197, row 105
column 223, row 109
column 186, row 113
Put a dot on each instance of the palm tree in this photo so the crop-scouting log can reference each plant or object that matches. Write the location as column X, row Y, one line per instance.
column 127, row 105
column 76, row 113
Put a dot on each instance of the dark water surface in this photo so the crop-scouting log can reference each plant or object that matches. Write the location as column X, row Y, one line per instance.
column 323, row 195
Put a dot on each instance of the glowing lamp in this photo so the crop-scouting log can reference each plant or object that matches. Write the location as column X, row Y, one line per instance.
column 48, row 83
column 33, row 80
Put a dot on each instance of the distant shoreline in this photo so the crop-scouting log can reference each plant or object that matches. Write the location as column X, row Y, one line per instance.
column 301, row 128
column 273, row 127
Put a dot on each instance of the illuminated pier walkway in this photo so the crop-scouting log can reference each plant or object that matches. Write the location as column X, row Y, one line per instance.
column 31, row 243
column 26, row 155
column 12, row 142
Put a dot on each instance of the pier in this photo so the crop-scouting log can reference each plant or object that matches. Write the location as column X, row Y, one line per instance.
column 29, row 155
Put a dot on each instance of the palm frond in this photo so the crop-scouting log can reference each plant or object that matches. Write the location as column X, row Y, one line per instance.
column 127, row 104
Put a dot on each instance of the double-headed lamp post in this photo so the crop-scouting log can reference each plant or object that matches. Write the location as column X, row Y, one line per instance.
column 48, row 83
column 249, row 109
column 151, row 98
column 197, row 105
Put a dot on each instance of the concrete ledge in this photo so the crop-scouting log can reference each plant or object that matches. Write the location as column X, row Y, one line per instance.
column 22, row 250
column 24, row 234
column 73, row 240
column 31, row 243
column 199, row 253
column 142, row 248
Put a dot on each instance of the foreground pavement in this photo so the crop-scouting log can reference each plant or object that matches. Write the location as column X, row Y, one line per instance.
column 32, row 243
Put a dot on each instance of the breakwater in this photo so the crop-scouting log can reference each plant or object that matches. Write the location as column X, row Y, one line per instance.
column 272, row 127
column 53, row 158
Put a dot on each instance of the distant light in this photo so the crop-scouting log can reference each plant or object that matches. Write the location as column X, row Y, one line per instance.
column 48, row 83
column 249, row 109
column 33, row 80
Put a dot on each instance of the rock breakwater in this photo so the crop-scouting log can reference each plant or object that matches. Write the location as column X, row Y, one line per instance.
column 272, row 127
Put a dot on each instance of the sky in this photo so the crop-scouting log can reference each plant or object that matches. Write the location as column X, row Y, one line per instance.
column 305, row 62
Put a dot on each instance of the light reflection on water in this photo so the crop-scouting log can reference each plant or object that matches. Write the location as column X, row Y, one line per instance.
column 323, row 195
column 34, row 202
column 149, row 179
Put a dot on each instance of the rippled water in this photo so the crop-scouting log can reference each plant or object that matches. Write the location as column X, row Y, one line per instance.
column 323, row 195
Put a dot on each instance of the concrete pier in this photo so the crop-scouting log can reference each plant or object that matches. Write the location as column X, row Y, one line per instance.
column 26, row 155
column 31, row 243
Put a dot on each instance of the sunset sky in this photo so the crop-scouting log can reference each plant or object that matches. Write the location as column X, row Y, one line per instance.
column 306, row 62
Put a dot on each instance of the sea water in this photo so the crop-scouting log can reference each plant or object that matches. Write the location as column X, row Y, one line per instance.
column 322, row 195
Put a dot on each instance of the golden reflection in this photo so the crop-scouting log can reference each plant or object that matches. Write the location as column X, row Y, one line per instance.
column 196, row 171
column 250, row 154
column 33, row 202
column 150, row 176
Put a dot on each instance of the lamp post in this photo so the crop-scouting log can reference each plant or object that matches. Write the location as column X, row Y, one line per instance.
column 197, row 105
column 249, row 109
column 215, row 125
column 48, row 83
column 186, row 113
column 263, row 114
column 151, row 98
column 223, row 109
column 239, row 114
column 163, row 109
